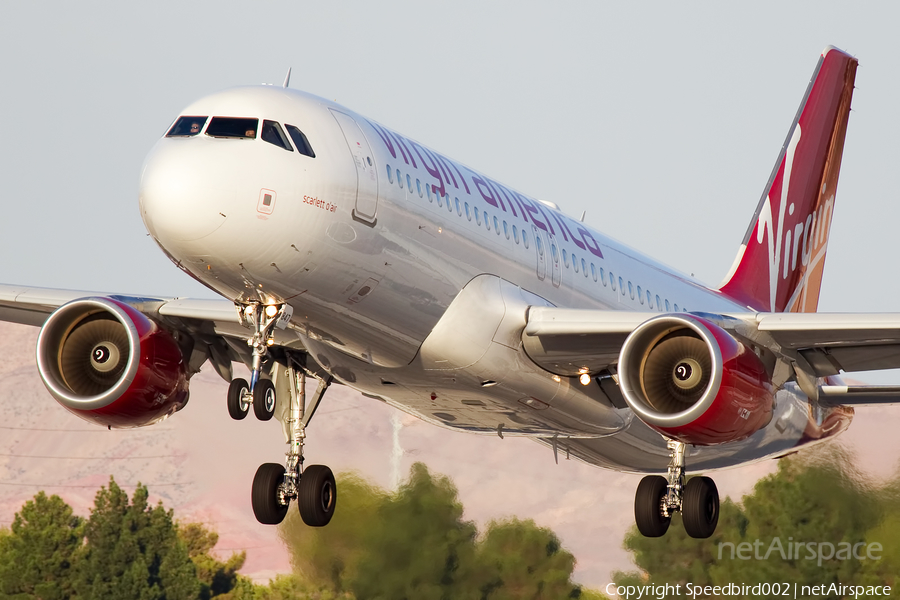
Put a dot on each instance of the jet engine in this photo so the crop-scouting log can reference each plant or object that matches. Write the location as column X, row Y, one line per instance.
column 692, row 381
column 110, row 364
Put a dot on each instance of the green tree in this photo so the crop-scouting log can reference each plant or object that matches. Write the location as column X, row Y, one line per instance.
column 216, row 577
column 323, row 555
column 37, row 552
column 815, row 497
column 415, row 544
column 418, row 546
column 132, row 550
column 519, row 560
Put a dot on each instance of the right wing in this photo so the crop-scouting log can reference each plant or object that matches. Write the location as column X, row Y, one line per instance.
column 214, row 325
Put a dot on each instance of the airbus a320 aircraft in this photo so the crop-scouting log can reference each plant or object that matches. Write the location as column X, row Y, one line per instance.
column 349, row 253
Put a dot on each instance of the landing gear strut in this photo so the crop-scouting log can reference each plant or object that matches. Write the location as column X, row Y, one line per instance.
column 259, row 393
column 658, row 497
column 314, row 487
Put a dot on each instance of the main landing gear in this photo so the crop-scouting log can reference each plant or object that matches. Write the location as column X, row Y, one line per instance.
column 658, row 497
column 314, row 488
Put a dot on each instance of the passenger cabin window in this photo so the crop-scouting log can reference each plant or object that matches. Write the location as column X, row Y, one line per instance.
column 676, row 308
column 640, row 294
column 584, row 267
column 649, row 299
column 667, row 306
column 621, row 286
column 449, row 203
column 602, row 277
column 593, row 271
column 233, row 127
column 612, row 280
column 300, row 141
column 272, row 133
column 399, row 179
column 390, row 173
column 497, row 225
column 419, row 187
column 525, row 239
column 575, row 263
column 631, row 290
column 658, row 304
column 478, row 217
column 187, row 126
column 515, row 234
column 469, row 212
column 458, row 206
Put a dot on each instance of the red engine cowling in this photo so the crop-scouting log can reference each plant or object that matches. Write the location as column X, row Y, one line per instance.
column 109, row 364
column 690, row 380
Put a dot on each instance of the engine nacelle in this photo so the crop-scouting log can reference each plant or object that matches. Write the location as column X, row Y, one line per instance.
column 111, row 365
column 692, row 381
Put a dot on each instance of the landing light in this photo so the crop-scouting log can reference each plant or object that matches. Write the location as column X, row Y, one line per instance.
column 584, row 379
column 271, row 311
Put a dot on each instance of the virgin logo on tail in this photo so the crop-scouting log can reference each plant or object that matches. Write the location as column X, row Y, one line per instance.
column 780, row 264
column 786, row 249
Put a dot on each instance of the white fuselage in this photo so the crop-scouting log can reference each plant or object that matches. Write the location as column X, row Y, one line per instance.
column 374, row 243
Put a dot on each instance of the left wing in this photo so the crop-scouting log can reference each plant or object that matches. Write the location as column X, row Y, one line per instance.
column 570, row 342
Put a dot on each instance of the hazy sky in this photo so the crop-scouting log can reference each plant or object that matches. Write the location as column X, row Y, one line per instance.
column 663, row 122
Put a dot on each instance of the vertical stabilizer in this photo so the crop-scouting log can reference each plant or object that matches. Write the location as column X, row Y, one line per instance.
column 780, row 263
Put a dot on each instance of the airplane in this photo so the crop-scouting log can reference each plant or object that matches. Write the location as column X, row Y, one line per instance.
column 349, row 254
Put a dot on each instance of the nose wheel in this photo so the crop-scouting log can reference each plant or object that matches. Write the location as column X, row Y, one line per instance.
column 262, row 399
column 274, row 486
column 658, row 497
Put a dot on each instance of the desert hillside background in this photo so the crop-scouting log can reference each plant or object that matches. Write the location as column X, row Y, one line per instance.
column 201, row 463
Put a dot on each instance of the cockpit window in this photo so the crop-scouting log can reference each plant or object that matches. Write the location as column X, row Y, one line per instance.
column 187, row 126
column 300, row 141
column 272, row 133
column 233, row 127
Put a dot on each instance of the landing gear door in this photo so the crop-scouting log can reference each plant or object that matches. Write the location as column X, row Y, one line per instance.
column 366, row 173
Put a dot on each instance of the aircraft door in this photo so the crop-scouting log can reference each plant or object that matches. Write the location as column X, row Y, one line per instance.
column 554, row 260
column 540, row 247
column 366, row 172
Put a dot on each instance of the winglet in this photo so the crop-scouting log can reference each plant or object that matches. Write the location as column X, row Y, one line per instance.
column 287, row 79
column 780, row 263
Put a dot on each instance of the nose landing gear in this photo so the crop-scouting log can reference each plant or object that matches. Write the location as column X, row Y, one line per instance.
column 259, row 393
column 314, row 487
column 658, row 497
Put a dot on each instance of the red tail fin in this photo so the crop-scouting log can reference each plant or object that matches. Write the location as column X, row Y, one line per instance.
column 780, row 263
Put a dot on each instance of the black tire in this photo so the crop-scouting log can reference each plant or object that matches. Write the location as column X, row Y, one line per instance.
column 647, row 503
column 317, row 495
column 238, row 407
column 264, row 399
column 264, row 495
column 700, row 508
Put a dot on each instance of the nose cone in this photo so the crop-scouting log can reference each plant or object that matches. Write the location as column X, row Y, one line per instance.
column 184, row 196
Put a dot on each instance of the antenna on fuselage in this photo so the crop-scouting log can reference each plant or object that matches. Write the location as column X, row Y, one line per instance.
column 287, row 79
column 583, row 215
